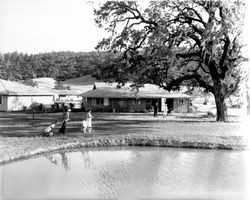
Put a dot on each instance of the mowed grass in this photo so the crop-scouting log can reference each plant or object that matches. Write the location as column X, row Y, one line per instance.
column 21, row 136
column 22, row 124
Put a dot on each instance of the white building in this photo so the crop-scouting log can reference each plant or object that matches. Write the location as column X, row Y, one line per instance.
column 15, row 96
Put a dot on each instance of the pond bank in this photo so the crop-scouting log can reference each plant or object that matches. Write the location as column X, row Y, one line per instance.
column 16, row 148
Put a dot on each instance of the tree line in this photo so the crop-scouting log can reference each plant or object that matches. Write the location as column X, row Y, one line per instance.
column 22, row 67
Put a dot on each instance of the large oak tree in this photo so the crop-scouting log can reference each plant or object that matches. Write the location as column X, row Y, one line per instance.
column 174, row 42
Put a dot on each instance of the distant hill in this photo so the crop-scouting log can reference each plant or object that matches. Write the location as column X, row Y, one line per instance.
column 83, row 83
column 45, row 82
column 59, row 65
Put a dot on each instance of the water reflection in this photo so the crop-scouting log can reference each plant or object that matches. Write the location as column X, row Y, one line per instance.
column 130, row 173
column 55, row 159
column 88, row 163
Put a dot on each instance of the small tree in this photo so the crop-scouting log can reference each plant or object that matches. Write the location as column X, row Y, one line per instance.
column 34, row 107
column 168, row 43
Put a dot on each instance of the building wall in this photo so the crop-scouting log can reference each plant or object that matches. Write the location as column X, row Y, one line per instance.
column 181, row 105
column 123, row 105
column 136, row 105
column 120, row 105
column 15, row 103
column 68, row 98
column 4, row 103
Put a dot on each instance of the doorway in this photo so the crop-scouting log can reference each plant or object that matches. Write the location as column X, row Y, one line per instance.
column 170, row 104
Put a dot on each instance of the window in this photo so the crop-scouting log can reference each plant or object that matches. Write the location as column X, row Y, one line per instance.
column 99, row 101
column 1, row 99
column 136, row 101
column 181, row 101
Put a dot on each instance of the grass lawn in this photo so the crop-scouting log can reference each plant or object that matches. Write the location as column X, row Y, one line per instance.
column 22, row 124
column 20, row 135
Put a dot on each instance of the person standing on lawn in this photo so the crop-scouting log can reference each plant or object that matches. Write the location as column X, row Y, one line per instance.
column 62, row 130
column 89, row 118
column 156, row 110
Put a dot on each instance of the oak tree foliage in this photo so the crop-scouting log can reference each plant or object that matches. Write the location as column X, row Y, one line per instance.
column 175, row 42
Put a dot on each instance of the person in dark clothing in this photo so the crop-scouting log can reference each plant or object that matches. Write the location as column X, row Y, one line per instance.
column 156, row 110
column 62, row 130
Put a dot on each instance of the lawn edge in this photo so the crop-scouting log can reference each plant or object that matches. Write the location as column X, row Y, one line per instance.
column 215, row 142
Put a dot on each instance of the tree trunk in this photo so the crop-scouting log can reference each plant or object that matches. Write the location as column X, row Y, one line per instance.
column 221, row 108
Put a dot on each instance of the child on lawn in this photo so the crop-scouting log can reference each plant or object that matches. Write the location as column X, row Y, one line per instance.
column 84, row 126
column 48, row 130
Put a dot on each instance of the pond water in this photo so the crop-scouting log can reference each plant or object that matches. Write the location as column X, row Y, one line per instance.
column 129, row 173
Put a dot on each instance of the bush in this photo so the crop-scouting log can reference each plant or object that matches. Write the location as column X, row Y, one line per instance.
column 24, row 108
column 210, row 114
column 99, row 109
column 191, row 109
column 35, row 106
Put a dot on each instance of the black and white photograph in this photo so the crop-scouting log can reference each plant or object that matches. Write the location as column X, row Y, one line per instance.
column 126, row 100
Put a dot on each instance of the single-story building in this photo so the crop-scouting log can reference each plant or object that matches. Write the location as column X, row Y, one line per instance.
column 68, row 98
column 67, row 95
column 15, row 96
column 110, row 97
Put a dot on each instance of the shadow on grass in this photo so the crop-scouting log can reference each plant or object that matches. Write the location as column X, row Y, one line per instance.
column 22, row 124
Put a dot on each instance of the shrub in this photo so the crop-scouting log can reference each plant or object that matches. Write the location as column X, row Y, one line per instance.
column 24, row 108
column 210, row 114
column 35, row 106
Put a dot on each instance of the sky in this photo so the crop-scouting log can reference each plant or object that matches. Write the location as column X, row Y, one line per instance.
column 37, row 26
column 33, row 26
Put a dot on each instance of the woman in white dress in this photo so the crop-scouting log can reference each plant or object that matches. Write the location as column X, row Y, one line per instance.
column 89, row 118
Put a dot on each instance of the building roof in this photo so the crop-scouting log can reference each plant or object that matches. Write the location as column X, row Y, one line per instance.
column 148, row 91
column 15, row 88
column 67, row 92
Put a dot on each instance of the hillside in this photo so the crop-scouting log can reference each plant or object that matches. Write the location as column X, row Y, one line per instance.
column 83, row 83
column 45, row 82
column 59, row 65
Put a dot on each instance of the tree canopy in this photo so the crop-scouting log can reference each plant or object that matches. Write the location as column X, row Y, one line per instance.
column 59, row 65
column 174, row 42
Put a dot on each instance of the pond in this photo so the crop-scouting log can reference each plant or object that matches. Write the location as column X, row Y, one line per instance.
column 129, row 173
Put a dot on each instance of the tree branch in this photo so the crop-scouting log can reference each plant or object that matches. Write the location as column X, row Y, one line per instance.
column 187, row 55
column 203, row 69
column 179, row 80
column 224, row 68
column 136, row 13
column 197, row 14
column 195, row 38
